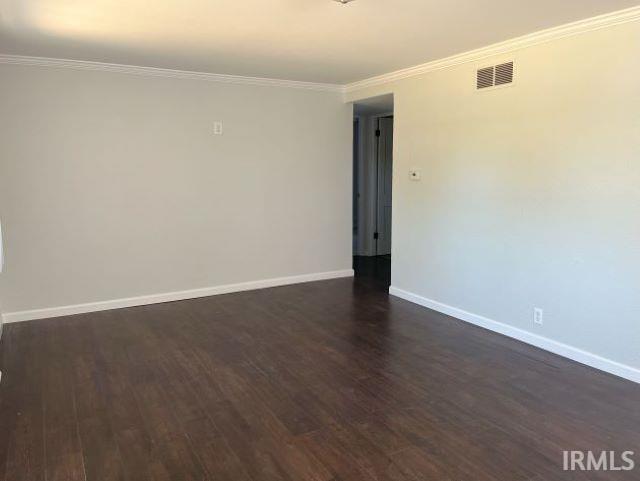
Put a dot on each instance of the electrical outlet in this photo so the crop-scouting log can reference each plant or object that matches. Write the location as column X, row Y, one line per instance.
column 538, row 316
column 217, row 128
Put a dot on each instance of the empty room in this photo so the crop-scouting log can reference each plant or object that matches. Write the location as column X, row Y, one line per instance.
column 319, row 240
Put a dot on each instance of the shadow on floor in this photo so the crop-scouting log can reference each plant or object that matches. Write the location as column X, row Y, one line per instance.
column 375, row 270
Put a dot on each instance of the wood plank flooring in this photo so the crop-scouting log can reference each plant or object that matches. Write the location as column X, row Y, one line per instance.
column 323, row 381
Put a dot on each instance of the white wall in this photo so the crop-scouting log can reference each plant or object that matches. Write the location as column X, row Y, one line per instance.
column 114, row 186
column 530, row 194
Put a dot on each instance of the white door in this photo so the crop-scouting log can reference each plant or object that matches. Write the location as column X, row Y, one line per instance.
column 385, row 176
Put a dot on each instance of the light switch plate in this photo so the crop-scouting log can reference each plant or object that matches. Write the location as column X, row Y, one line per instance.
column 217, row 128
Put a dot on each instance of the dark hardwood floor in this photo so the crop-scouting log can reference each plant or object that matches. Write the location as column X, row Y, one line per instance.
column 323, row 381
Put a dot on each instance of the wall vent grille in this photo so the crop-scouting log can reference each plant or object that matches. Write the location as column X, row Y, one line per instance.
column 494, row 76
column 504, row 73
column 485, row 78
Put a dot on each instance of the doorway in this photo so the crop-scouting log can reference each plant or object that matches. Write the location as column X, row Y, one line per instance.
column 384, row 183
column 373, row 187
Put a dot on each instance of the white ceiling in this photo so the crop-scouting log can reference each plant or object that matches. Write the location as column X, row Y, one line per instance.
column 310, row 40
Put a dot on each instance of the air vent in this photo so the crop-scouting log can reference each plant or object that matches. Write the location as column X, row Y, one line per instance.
column 504, row 73
column 485, row 78
column 494, row 76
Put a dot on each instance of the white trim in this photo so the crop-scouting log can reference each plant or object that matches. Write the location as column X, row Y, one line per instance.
column 564, row 350
column 525, row 41
column 163, row 72
column 171, row 296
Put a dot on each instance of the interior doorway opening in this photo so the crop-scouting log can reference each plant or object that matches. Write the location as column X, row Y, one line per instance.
column 373, row 187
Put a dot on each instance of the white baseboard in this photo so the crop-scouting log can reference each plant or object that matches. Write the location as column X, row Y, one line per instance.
column 170, row 296
column 573, row 353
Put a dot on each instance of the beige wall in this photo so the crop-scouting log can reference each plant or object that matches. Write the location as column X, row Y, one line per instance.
column 114, row 186
column 530, row 195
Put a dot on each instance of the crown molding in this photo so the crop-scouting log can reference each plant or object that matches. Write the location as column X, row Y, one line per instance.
column 165, row 73
column 518, row 43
